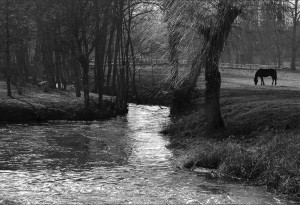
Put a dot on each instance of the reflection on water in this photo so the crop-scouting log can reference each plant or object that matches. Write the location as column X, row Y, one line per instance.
column 122, row 160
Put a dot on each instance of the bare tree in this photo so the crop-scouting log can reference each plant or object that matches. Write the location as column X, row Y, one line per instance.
column 293, row 12
column 82, row 32
column 7, row 50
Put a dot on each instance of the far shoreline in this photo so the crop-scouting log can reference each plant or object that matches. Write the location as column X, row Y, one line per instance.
column 35, row 105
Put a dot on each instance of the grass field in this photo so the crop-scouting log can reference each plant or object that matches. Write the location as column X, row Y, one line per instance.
column 244, row 78
column 231, row 78
column 261, row 142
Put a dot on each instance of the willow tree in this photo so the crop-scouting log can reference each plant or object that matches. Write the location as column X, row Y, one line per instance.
column 213, row 21
column 216, row 38
column 174, row 36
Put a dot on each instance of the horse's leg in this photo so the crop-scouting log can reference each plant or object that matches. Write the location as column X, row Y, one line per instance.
column 272, row 80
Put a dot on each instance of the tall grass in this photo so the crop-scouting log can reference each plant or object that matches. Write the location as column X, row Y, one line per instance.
column 261, row 144
column 272, row 161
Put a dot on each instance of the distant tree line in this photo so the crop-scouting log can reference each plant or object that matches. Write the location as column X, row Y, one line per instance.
column 269, row 34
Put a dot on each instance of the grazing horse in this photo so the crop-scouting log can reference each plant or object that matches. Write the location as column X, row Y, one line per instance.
column 265, row 73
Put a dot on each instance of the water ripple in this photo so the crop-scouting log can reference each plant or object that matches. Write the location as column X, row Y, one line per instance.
column 120, row 161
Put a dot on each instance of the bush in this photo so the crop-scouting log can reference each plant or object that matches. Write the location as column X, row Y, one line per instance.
column 274, row 162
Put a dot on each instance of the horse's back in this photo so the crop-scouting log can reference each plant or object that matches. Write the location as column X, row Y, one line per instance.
column 267, row 69
column 266, row 72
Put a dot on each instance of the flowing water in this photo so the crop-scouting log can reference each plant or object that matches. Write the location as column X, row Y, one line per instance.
column 119, row 161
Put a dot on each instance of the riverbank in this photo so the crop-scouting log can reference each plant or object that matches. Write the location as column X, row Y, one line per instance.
column 36, row 105
column 260, row 144
column 123, row 160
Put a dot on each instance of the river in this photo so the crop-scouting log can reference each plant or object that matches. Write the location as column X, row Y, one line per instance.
column 118, row 161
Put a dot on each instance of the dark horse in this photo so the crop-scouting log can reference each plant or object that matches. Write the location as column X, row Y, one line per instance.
column 265, row 73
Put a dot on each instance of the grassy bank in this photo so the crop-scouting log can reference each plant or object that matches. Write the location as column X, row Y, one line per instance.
column 261, row 143
column 36, row 105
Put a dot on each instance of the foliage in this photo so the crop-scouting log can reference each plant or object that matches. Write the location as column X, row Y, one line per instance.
column 59, row 41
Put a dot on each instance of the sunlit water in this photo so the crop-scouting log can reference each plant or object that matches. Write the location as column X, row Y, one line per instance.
column 119, row 161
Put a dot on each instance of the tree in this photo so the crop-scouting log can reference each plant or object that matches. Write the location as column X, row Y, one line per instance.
column 15, row 38
column 293, row 11
column 272, row 31
column 100, row 47
column 214, row 21
column 217, row 36
column 174, row 37
column 81, row 25
column 7, row 50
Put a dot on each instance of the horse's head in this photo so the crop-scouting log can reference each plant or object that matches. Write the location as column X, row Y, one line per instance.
column 255, row 81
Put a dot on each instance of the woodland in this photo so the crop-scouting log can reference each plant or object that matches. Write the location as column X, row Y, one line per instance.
column 101, row 47
column 95, row 45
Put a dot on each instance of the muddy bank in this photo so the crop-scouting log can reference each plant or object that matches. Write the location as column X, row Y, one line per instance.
column 36, row 105
column 19, row 111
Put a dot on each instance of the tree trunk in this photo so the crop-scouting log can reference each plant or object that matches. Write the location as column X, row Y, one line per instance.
column 116, row 53
column 121, row 79
column 7, row 52
column 174, row 38
column 57, row 66
column 127, row 39
column 77, row 73
column 110, row 55
column 293, row 50
column 133, row 81
column 115, row 65
column 85, row 80
column 212, row 97
column 100, row 53
column 278, row 50
column 217, row 38
column 65, row 73
column 294, row 37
